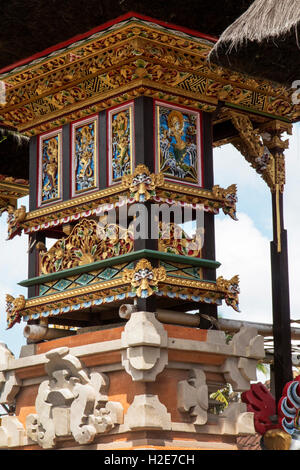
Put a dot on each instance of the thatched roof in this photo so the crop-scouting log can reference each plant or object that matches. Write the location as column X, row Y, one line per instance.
column 263, row 41
column 28, row 27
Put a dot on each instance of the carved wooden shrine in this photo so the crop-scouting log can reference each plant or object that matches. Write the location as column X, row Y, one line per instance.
column 127, row 116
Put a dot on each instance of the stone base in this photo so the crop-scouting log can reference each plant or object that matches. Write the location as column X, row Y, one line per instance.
column 142, row 386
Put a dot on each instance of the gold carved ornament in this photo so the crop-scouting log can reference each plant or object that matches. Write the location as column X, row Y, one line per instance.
column 228, row 197
column 144, row 278
column 142, row 183
column 231, row 290
column 88, row 242
column 14, row 306
column 250, row 144
column 173, row 239
column 14, row 220
column 169, row 192
column 263, row 148
column 133, row 55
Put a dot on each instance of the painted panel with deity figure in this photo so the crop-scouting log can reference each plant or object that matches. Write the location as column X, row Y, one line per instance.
column 50, row 168
column 120, row 143
column 84, row 165
column 178, row 148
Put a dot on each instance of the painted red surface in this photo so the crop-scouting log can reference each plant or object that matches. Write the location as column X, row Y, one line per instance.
column 261, row 402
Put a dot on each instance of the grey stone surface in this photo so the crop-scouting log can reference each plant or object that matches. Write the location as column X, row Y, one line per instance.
column 145, row 347
column 147, row 412
column 192, row 396
column 28, row 350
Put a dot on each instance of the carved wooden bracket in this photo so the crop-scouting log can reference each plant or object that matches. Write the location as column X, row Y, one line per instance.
column 263, row 148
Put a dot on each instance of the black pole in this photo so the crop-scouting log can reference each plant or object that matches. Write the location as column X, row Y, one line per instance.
column 209, row 250
column 281, row 301
column 144, row 154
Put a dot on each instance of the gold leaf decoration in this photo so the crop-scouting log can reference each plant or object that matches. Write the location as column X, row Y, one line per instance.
column 88, row 242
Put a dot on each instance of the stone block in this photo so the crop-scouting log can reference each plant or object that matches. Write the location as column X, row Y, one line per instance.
column 147, row 412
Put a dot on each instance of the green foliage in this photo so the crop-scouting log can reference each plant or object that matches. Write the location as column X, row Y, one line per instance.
column 262, row 368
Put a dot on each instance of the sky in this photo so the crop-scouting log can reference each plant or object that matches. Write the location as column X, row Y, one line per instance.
column 242, row 247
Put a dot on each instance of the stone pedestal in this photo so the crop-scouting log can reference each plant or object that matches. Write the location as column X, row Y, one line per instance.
column 143, row 386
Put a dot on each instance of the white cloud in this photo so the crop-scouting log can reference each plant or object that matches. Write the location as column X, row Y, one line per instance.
column 242, row 249
column 292, row 218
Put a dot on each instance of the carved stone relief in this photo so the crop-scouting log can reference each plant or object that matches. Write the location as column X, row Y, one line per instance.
column 72, row 402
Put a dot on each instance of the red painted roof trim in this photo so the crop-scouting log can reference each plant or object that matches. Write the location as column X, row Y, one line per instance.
column 80, row 37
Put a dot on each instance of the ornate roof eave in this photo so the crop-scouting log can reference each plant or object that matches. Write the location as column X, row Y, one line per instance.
column 126, row 193
column 127, row 286
column 132, row 59
column 200, row 16
column 11, row 189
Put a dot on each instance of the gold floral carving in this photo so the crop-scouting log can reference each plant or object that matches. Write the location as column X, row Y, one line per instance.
column 231, row 290
column 144, row 278
column 173, row 239
column 14, row 307
column 142, row 183
column 88, row 242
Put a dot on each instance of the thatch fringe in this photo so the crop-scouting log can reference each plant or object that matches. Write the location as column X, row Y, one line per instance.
column 16, row 137
column 263, row 21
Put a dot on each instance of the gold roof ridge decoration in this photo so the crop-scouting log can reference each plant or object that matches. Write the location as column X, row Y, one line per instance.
column 134, row 58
